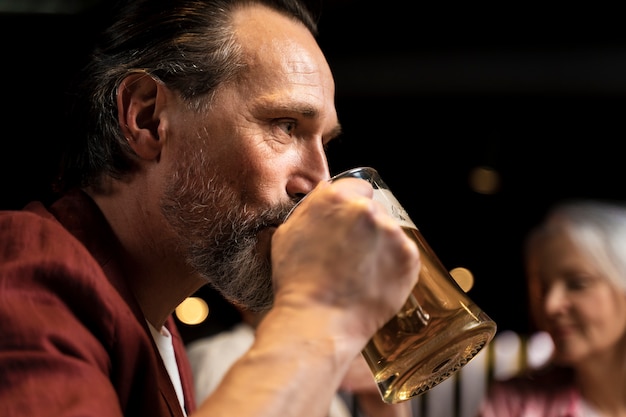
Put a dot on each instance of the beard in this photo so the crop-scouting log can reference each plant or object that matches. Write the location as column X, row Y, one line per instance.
column 218, row 234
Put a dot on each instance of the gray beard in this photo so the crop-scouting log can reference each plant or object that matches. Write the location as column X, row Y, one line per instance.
column 236, row 269
column 219, row 234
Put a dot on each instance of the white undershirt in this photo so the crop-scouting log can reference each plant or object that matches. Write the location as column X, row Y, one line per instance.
column 587, row 409
column 163, row 340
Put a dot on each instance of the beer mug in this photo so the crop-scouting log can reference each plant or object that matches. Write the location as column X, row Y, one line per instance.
column 438, row 330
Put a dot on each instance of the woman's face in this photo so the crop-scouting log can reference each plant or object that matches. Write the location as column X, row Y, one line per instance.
column 573, row 299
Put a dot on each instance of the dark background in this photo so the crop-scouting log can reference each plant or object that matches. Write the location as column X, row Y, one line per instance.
column 424, row 93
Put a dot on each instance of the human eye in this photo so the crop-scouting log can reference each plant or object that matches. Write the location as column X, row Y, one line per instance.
column 578, row 282
column 285, row 126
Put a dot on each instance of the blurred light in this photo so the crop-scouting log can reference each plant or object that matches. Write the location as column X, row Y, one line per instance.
column 540, row 349
column 484, row 180
column 193, row 310
column 463, row 277
column 508, row 354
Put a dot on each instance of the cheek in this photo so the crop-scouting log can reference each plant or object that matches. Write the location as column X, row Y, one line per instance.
column 607, row 314
column 616, row 316
column 263, row 177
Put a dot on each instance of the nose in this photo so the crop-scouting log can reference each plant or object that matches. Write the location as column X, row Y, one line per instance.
column 555, row 299
column 312, row 168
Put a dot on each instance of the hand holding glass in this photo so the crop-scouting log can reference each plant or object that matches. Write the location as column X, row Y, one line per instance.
column 438, row 330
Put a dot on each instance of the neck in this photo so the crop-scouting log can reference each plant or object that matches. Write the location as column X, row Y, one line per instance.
column 156, row 270
column 601, row 384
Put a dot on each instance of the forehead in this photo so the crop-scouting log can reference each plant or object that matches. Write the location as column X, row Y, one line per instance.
column 284, row 66
column 278, row 45
column 257, row 22
column 555, row 252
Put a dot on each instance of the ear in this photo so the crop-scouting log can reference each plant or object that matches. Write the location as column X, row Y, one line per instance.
column 136, row 105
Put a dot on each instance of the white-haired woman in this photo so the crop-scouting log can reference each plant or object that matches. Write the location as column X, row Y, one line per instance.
column 576, row 272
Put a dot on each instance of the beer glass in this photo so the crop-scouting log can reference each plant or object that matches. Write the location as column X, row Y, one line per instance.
column 438, row 330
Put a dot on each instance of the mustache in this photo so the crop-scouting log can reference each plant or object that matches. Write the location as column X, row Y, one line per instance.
column 273, row 216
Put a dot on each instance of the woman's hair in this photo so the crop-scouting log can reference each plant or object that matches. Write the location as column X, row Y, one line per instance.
column 189, row 45
column 598, row 228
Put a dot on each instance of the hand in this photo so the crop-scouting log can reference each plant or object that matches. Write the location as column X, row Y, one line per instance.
column 340, row 250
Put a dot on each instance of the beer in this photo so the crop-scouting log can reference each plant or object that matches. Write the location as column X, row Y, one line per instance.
column 438, row 331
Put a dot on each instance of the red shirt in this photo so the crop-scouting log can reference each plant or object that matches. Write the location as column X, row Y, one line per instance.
column 73, row 340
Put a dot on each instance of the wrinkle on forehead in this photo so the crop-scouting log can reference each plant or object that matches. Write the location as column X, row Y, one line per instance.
column 285, row 68
column 275, row 45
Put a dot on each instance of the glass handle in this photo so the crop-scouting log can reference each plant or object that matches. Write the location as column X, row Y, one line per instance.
column 412, row 310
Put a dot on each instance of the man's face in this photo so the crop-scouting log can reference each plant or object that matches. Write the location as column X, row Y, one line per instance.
column 238, row 167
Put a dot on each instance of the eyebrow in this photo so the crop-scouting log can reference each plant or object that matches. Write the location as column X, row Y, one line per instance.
column 303, row 109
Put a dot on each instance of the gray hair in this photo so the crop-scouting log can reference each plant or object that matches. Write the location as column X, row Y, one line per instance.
column 189, row 45
column 596, row 227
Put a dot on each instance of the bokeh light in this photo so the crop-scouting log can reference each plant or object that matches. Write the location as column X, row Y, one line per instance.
column 484, row 180
column 463, row 277
column 194, row 310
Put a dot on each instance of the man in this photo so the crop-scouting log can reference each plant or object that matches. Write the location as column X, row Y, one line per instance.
column 205, row 122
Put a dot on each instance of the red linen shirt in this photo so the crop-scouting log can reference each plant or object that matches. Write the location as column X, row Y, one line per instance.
column 73, row 341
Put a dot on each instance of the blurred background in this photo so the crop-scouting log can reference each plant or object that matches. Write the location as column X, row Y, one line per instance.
column 529, row 96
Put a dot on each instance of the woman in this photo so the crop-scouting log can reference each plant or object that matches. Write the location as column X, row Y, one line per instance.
column 576, row 273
